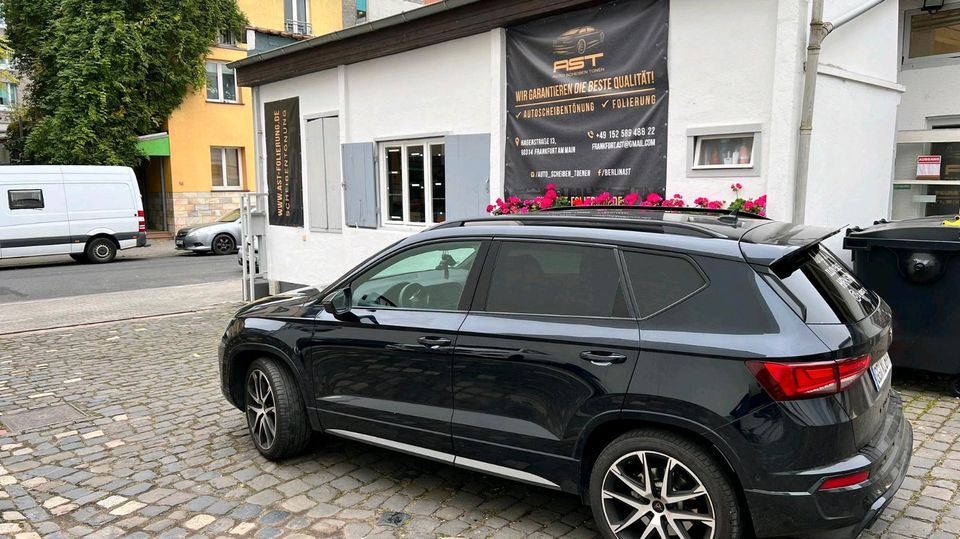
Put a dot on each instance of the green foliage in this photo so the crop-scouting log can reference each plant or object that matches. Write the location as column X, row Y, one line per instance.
column 103, row 72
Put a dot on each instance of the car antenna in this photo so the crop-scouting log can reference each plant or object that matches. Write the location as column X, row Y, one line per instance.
column 731, row 218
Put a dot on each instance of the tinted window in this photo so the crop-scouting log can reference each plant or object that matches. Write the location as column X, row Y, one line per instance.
column 24, row 199
column 430, row 277
column 828, row 290
column 557, row 279
column 660, row 281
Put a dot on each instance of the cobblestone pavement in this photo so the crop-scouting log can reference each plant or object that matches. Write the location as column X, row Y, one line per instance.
column 160, row 453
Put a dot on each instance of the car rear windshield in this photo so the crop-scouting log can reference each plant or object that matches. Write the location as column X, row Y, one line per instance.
column 827, row 290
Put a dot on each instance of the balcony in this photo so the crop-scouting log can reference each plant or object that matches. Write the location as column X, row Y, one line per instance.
column 297, row 27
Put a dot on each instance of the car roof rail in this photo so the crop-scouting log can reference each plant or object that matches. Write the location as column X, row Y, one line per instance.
column 587, row 221
column 672, row 209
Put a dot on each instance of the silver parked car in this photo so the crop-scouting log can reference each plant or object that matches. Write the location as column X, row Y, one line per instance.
column 220, row 237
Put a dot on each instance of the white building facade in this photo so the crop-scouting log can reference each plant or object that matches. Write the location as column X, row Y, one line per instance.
column 438, row 108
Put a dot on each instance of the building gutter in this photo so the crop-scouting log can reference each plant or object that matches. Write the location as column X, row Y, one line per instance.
column 819, row 30
column 400, row 18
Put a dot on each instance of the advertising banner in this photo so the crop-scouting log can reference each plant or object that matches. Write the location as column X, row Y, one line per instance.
column 587, row 101
column 284, row 178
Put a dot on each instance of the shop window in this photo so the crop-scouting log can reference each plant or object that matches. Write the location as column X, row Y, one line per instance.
column 932, row 37
column 25, row 199
column 221, row 83
column 414, row 182
column 226, row 168
column 8, row 95
column 723, row 151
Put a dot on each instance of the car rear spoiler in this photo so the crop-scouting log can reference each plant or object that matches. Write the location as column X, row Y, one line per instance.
column 780, row 245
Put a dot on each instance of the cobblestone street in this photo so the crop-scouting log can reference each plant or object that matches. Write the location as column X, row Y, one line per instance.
column 159, row 452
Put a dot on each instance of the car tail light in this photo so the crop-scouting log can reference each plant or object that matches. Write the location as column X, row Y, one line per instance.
column 791, row 381
column 845, row 480
column 142, row 223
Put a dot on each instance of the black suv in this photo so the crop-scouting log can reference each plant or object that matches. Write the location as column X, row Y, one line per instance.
column 688, row 373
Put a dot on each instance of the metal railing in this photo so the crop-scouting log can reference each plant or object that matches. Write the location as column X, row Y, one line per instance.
column 297, row 27
column 253, row 227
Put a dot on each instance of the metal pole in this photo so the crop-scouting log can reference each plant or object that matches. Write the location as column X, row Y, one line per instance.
column 163, row 195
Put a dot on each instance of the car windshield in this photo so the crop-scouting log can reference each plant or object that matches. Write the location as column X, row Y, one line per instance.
column 230, row 217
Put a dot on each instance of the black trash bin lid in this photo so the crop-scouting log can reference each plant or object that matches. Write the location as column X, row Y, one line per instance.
column 925, row 233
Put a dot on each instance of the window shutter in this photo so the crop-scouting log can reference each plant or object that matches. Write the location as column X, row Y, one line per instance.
column 360, row 185
column 467, row 166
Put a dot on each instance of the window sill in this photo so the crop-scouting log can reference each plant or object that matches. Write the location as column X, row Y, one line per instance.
column 228, row 189
column 224, row 102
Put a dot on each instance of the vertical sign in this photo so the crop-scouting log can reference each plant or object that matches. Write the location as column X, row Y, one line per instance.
column 284, row 178
column 587, row 101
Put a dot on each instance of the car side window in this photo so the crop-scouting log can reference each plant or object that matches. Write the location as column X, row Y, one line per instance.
column 556, row 279
column 660, row 281
column 25, row 199
column 430, row 277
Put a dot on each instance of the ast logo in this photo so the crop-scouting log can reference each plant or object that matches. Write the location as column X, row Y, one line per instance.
column 577, row 40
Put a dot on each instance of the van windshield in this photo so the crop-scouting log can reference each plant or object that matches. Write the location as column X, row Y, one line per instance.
column 230, row 217
column 828, row 290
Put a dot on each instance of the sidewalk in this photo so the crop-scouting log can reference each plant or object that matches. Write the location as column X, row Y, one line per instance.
column 96, row 308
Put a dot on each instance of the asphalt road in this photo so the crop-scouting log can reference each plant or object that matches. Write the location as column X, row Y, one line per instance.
column 156, row 266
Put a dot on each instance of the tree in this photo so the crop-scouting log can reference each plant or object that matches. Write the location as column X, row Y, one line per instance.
column 102, row 72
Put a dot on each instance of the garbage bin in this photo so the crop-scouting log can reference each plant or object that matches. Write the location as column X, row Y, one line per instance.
column 915, row 267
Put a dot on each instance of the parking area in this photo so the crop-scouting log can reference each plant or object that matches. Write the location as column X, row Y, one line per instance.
column 156, row 451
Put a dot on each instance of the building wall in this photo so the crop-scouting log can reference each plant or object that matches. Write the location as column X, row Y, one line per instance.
column 324, row 15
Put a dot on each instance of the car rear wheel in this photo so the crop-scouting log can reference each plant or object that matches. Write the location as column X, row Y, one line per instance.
column 100, row 250
column 223, row 244
column 276, row 416
column 655, row 484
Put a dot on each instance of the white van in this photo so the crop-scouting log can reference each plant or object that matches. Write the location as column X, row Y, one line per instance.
column 87, row 212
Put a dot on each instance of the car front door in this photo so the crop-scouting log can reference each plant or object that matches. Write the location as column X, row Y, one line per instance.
column 382, row 372
column 549, row 344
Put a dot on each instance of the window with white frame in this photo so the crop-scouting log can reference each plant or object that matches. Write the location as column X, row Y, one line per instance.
column 932, row 38
column 225, row 168
column 295, row 17
column 221, row 83
column 413, row 182
column 723, row 151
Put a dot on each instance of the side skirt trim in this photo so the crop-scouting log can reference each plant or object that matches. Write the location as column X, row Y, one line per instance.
column 460, row 462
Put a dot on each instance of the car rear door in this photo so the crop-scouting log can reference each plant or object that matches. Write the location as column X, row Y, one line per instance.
column 548, row 346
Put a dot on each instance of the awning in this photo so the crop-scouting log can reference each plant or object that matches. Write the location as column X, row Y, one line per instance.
column 155, row 144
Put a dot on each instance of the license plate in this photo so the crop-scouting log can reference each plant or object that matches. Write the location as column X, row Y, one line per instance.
column 880, row 371
column 179, row 243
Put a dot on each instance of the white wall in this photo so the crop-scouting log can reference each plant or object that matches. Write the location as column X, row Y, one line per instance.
column 721, row 61
column 438, row 90
column 381, row 9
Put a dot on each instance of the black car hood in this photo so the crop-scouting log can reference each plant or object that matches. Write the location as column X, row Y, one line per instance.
column 293, row 304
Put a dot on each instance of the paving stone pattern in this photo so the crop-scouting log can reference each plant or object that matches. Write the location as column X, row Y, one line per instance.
column 160, row 453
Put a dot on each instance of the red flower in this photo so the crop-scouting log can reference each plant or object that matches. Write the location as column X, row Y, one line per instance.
column 490, row 208
column 654, row 198
column 551, row 187
column 631, row 199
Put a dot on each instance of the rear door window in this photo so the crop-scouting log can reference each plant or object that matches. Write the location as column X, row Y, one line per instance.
column 660, row 281
column 828, row 290
column 556, row 279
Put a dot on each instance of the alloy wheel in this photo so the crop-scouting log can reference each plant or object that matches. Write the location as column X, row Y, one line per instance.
column 261, row 409
column 647, row 494
column 222, row 244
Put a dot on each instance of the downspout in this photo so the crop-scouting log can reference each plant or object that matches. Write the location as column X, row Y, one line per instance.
column 819, row 30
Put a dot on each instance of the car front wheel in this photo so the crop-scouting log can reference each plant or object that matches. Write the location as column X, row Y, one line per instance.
column 223, row 244
column 276, row 416
column 654, row 484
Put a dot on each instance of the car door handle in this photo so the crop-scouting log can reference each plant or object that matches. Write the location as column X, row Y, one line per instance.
column 602, row 358
column 434, row 342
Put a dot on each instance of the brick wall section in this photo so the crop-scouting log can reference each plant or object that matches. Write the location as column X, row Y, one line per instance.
column 200, row 207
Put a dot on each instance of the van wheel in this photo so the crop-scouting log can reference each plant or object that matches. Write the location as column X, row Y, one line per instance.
column 276, row 416
column 223, row 244
column 100, row 250
column 652, row 483
column 79, row 257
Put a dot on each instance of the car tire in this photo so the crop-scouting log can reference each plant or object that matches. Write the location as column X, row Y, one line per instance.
column 619, row 496
column 268, row 382
column 79, row 257
column 223, row 244
column 100, row 250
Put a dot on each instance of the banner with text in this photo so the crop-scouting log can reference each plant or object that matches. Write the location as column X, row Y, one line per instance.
column 587, row 101
column 284, row 179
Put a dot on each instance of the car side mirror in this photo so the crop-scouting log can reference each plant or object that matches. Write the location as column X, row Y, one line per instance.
column 338, row 303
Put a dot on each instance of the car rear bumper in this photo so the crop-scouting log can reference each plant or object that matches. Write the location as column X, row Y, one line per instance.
column 841, row 513
column 141, row 239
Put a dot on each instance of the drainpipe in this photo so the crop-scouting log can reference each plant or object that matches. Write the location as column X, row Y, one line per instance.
column 819, row 30
column 163, row 196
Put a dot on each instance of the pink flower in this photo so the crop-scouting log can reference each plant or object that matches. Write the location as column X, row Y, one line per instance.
column 654, row 198
column 490, row 208
column 576, row 202
column 748, row 205
column 762, row 201
column 646, row 203
column 551, row 187
column 701, row 202
column 546, row 202
column 513, row 200
column 631, row 199
column 715, row 205
column 523, row 209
